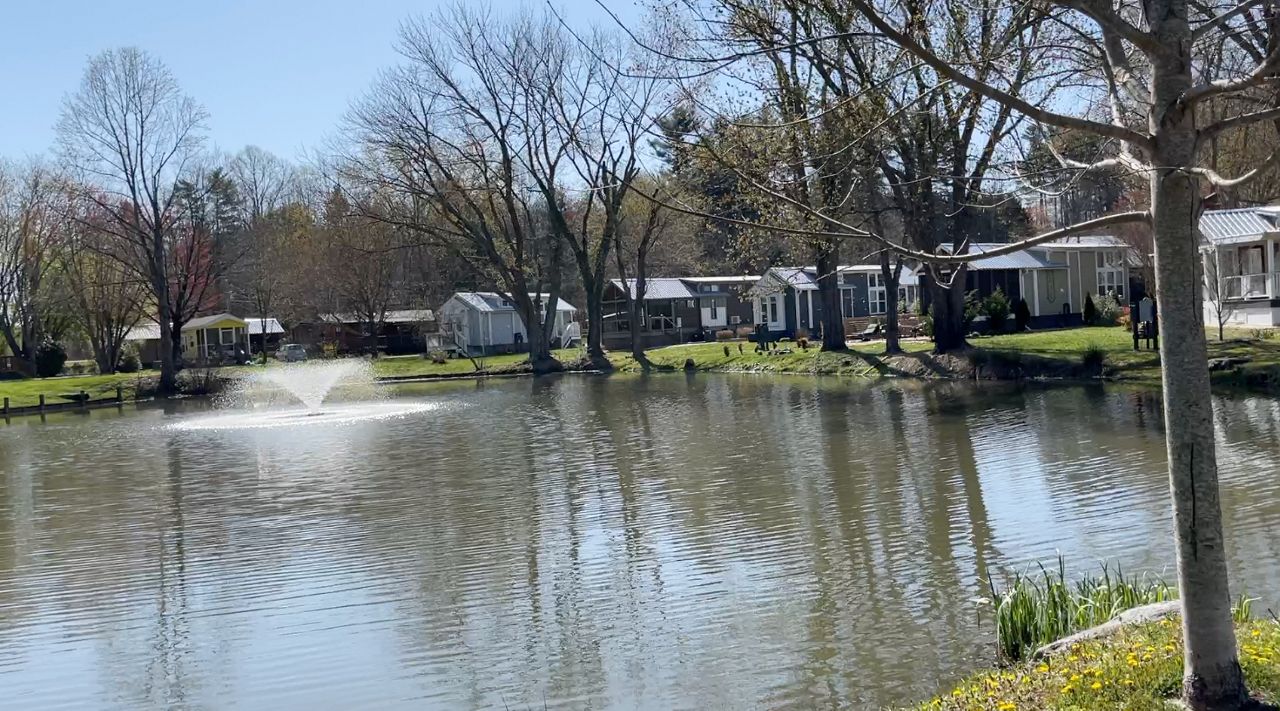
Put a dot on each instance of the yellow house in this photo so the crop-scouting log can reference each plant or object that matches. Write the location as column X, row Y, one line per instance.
column 221, row 338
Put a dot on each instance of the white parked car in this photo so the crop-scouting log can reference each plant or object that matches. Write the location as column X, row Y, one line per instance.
column 291, row 353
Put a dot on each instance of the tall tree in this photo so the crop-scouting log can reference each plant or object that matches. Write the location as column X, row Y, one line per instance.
column 30, row 242
column 204, row 246
column 1153, row 63
column 447, row 135
column 108, row 297
column 131, row 134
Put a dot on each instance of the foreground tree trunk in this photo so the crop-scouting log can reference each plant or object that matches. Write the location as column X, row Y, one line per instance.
column 827, row 261
column 1212, row 679
column 890, row 273
column 946, row 306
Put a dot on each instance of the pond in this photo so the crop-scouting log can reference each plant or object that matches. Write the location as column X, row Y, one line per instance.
column 700, row 542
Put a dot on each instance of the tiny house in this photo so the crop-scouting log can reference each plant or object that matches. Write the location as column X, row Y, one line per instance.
column 486, row 322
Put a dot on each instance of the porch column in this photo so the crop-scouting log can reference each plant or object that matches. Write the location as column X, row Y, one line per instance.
column 1035, row 290
column 1220, row 286
column 1268, row 266
column 812, row 319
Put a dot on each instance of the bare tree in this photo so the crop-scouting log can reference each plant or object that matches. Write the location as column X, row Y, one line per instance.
column 448, row 136
column 108, row 297
column 30, row 241
column 1217, row 297
column 1152, row 64
column 130, row 134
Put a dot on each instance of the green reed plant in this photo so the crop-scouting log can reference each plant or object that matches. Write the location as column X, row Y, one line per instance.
column 1036, row 608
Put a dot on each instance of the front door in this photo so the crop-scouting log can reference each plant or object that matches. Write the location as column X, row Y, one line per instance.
column 771, row 312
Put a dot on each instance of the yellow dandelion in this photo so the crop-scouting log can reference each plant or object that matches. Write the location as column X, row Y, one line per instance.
column 1042, row 668
column 1096, row 685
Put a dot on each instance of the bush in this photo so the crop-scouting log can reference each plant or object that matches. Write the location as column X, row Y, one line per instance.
column 1090, row 311
column 802, row 334
column 726, row 351
column 746, row 331
column 129, row 360
column 80, row 367
column 804, row 343
column 972, row 308
column 1022, row 316
column 438, row 357
column 1108, row 311
column 926, row 325
column 50, row 357
column 1094, row 359
column 996, row 307
column 725, row 335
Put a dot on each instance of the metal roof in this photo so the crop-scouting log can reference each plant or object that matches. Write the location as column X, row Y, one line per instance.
column 1016, row 260
column 490, row 301
column 743, row 279
column 255, row 325
column 1086, row 242
column 1246, row 224
column 659, row 288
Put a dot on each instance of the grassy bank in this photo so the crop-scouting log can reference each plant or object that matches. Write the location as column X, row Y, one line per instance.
column 1138, row 669
column 1036, row 354
column 1042, row 353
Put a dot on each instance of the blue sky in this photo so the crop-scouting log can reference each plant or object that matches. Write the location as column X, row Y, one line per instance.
column 275, row 73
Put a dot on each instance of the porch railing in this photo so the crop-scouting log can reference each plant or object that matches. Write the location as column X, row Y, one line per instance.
column 1251, row 286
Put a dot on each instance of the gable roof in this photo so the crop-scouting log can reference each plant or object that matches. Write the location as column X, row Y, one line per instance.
column 256, row 322
column 488, row 301
column 659, row 288
column 1246, row 224
column 206, row 321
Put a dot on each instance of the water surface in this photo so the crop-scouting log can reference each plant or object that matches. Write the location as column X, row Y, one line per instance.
column 712, row 542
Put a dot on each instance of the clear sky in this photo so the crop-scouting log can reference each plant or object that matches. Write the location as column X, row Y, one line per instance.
column 275, row 73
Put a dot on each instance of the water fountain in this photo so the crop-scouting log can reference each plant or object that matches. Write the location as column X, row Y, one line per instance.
column 269, row 398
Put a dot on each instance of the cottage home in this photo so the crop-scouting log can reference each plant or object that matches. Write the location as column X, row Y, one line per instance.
column 1241, row 252
column 676, row 309
column 786, row 298
column 486, row 322
column 213, row 340
column 1055, row 277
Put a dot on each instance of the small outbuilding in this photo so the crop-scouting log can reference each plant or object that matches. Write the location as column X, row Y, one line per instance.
column 214, row 340
column 486, row 322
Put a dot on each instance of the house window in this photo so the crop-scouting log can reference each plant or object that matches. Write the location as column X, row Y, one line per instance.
column 769, row 309
column 1112, row 275
column 846, row 303
column 708, row 288
column 714, row 309
column 876, row 297
column 227, row 336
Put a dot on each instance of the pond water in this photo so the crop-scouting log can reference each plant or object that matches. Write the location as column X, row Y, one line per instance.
column 711, row 542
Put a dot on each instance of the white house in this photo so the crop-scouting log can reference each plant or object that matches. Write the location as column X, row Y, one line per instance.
column 486, row 322
column 1241, row 252
column 786, row 299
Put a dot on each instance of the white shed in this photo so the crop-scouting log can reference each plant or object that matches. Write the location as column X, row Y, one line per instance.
column 486, row 322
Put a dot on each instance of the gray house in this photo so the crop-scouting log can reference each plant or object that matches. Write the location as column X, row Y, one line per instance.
column 486, row 322
column 786, row 298
column 677, row 309
column 1241, row 253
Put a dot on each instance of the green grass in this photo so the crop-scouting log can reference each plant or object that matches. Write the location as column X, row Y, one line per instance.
column 1137, row 669
column 416, row 366
column 24, row 393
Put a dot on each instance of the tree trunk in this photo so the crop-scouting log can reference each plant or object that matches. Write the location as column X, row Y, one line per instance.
column 827, row 261
column 890, row 273
column 947, row 309
column 595, row 324
column 1212, row 679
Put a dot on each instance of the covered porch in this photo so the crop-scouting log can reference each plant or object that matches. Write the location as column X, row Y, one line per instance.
column 1248, row 271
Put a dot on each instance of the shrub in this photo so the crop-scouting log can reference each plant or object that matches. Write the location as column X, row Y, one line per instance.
column 1094, row 359
column 746, row 331
column 996, row 307
column 1022, row 316
column 972, row 308
column 50, row 357
column 726, row 351
column 129, row 360
column 438, row 357
column 926, row 325
column 725, row 335
column 802, row 333
column 1107, row 311
column 1090, row 311
column 804, row 343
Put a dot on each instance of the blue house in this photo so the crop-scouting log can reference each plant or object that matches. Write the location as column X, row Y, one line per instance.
column 786, row 299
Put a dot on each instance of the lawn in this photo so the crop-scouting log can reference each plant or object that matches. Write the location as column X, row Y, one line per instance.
column 24, row 393
column 417, row 366
column 863, row 359
column 1138, row 669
